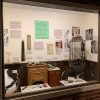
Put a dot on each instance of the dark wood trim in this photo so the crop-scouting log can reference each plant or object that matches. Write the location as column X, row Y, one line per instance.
column 58, row 5
column 99, row 46
column 1, row 54
column 54, row 92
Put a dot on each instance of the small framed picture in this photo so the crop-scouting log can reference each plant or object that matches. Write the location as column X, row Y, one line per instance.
column 58, row 46
column 94, row 46
column 75, row 31
column 89, row 34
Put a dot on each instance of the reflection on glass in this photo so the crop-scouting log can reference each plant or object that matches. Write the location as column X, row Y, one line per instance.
column 33, row 64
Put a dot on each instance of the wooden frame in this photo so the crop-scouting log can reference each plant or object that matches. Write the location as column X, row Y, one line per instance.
column 59, row 4
column 54, row 92
column 1, row 54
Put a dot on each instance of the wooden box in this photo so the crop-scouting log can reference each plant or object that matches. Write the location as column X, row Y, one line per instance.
column 54, row 77
column 37, row 73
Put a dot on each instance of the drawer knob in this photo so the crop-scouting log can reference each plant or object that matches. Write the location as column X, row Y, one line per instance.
column 34, row 69
column 42, row 68
column 38, row 72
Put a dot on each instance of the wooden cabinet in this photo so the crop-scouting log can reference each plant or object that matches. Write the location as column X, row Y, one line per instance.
column 37, row 73
column 54, row 77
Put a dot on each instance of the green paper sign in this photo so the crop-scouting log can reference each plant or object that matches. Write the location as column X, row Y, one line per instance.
column 41, row 29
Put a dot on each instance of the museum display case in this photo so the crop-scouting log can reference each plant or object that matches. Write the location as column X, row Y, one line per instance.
column 39, row 59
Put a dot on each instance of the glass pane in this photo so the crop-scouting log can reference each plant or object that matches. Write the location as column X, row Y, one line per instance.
column 46, row 47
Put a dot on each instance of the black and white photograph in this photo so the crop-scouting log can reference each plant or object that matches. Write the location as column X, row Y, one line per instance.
column 58, row 46
column 6, row 37
column 89, row 34
column 66, row 41
column 75, row 31
column 94, row 46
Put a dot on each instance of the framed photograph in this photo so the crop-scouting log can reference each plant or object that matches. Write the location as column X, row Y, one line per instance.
column 75, row 31
column 94, row 46
column 89, row 34
column 58, row 46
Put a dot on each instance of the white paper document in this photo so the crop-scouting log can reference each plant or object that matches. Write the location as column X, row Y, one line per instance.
column 74, row 81
column 37, row 87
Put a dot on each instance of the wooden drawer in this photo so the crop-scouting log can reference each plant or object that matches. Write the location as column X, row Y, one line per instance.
column 37, row 70
column 33, row 80
column 37, row 73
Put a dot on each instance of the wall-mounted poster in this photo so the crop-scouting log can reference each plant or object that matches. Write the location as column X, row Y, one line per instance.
column 94, row 46
column 58, row 33
column 28, row 42
column 15, row 29
column 16, row 34
column 49, row 49
column 41, row 29
column 75, row 31
column 89, row 34
column 38, row 45
column 15, row 25
column 58, row 47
